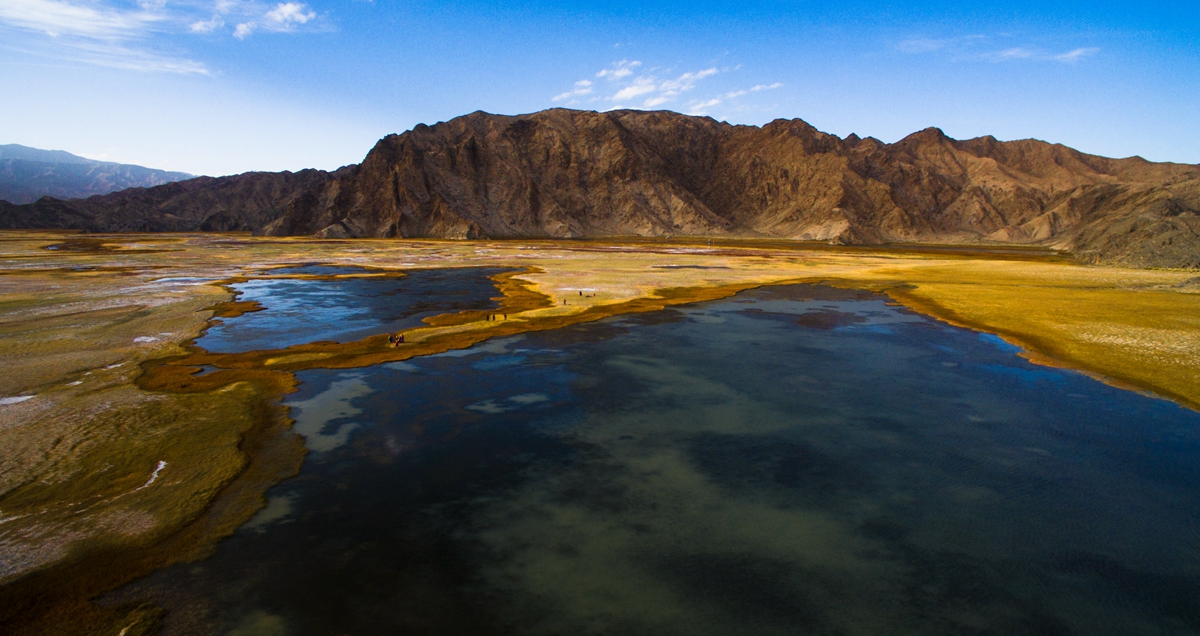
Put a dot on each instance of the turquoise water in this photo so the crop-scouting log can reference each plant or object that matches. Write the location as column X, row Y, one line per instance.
column 792, row 460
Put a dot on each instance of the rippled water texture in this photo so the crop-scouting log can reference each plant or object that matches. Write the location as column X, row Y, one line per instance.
column 299, row 310
column 793, row 460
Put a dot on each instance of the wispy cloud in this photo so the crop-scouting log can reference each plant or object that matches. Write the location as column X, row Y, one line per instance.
column 132, row 59
column 1025, row 53
column 57, row 18
column 703, row 107
column 92, row 33
column 581, row 88
column 122, row 33
column 621, row 69
column 1076, row 54
column 629, row 84
column 626, row 81
column 984, row 48
column 930, row 45
column 640, row 86
column 1015, row 53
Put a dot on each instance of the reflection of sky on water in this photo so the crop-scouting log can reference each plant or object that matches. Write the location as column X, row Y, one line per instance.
column 299, row 311
column 738, row 466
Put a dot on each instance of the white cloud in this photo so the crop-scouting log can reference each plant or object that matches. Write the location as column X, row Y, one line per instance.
column 621, row 69
column 969, row 47
column 647, row 88
column 58, row 18
column 640, row 86
column 1016, row 53
column 207, row 26
column 96, row 34
column 1023, row 53
column 701, row 108
column 582, row 87
column 1076, row 55
column 288, row 14
column 687, row 81
column 119, row 56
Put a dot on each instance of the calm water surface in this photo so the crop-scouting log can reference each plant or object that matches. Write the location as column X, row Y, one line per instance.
column 299, row 311
column 792, row 460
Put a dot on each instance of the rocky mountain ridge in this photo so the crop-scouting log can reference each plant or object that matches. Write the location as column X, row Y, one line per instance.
column 566, row 173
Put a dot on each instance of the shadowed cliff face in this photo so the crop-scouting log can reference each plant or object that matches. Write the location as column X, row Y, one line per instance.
column 564, row 173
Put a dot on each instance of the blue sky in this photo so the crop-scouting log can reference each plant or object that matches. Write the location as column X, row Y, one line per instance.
column 225, row 86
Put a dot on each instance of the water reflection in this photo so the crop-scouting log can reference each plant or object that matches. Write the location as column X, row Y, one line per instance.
column 739, row 466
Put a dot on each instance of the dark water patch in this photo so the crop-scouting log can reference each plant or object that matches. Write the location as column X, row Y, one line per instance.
column 1170, row 597
column 759, row 595
column 317, row 269
column 751, row 464
column 826, row 319
column 713, row 470
column 300, row 311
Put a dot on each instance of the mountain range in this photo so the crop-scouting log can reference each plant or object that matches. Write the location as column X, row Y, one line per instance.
column 28, row 174
column 567, row 173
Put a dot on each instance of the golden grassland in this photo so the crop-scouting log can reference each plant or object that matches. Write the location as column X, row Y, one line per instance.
column 116, row 459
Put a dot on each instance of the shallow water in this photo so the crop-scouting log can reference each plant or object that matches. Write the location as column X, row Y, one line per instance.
column 299, row 311
column 790, row 460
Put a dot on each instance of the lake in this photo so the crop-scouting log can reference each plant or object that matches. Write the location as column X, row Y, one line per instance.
column 361, row 303
column 790, row 460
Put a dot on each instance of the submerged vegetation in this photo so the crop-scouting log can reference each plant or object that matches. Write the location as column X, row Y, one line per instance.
column 125, row 447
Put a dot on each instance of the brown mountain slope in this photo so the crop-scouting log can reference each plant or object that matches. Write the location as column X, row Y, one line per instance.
column 240, row 202
column 564, row 173
column 574, row 173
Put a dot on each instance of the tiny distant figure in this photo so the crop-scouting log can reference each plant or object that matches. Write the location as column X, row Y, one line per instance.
column 581, row 292
column 506, row 316
column 564, row 301
column 391, row 339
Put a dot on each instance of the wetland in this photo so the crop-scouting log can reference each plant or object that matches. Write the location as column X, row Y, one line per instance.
column 700, row 439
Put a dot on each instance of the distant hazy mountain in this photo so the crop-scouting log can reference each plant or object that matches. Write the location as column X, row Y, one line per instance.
column 567, row 173
column 28, row 174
